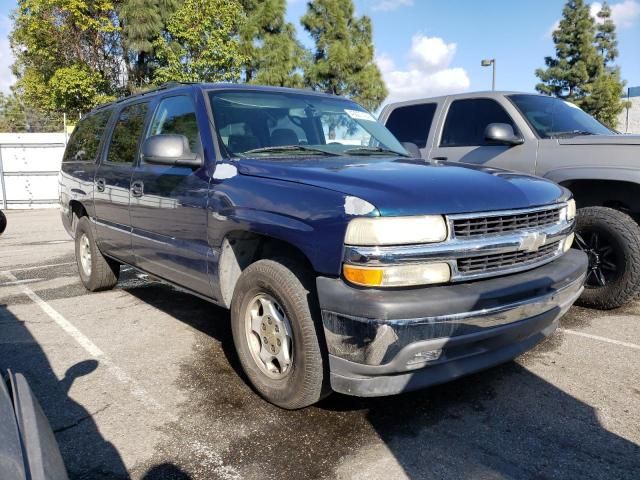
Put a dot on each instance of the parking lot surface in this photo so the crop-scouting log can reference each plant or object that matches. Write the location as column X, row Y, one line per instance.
column 142, row 382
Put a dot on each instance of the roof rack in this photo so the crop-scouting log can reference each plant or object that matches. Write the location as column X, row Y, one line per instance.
column 164, row 86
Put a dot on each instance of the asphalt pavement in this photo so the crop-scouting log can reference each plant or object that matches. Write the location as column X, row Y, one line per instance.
column 142, row 382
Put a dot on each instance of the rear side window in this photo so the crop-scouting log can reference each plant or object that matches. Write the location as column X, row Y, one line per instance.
column 126, row 134
column 412, row 123
column 177, row 115
column 467, row 120
column 85, row 140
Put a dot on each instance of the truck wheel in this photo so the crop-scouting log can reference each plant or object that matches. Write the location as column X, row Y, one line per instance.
column 611, row 240
column 96, row 271
column 3, row 222
column 275, row 334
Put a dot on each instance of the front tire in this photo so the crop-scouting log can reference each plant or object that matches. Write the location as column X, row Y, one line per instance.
column 96, row 271
column 611, row 240
column 275, row 334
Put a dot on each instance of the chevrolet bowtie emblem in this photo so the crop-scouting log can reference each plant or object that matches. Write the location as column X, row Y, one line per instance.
column 532, row 242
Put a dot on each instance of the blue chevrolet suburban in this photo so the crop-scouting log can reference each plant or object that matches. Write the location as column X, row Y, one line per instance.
column 347, row 264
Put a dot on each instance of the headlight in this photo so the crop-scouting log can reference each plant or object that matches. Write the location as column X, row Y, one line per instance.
column 398, row 275
column 571, row 209
column 377, row 231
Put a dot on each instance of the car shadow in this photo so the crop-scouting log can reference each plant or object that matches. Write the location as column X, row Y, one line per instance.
column 505, row 422
column 86, row 453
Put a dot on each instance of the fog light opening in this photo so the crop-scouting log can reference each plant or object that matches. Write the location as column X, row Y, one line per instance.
column 424, row 356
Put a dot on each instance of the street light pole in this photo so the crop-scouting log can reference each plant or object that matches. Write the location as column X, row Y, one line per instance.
column 492, row 62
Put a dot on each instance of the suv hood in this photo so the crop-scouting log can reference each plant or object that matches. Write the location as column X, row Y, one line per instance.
column 601, row 140
column 402, row 186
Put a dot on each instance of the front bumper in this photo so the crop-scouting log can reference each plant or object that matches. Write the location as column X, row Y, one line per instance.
column 383, row 342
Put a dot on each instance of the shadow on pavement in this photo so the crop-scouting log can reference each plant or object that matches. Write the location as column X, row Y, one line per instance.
column 86, row 453
column 502, row 423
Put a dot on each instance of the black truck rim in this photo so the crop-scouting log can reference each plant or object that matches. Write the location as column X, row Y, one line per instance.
column 605, row 264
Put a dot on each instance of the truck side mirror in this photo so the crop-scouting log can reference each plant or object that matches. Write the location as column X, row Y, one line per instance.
column 502, row 133
column 171, row 150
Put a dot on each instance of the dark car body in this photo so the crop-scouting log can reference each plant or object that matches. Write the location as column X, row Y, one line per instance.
column 28, row 449
column 200, row 227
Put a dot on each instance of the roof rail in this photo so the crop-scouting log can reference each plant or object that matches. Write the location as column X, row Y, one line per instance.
column 164, row 86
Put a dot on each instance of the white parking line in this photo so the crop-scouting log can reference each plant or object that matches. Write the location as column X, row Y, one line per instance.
column 90, row 347
column 18, row 282
column 212, row 458
column 38, row 267
column 599, row 338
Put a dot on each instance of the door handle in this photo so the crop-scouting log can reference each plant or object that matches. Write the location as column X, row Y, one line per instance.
column 137, row 188
column 100, row 184
column 439, row 158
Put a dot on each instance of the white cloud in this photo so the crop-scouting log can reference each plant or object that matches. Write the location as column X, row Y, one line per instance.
column 389, row 5
column 623, row 14
column 428, row 73
column 6, row 58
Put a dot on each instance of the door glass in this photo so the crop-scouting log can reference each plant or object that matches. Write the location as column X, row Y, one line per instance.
column 177, row 115
column 126, row 134
column 84, row 142
column 467, row 120
column 412, row 123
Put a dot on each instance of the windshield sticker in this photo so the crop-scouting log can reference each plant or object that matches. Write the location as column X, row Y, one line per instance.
column 358, row 115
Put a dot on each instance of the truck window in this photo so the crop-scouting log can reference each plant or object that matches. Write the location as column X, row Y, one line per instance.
column 126, row 134
column 412, row 123
column 468, row 118
column 177, row 115
column 84, row 142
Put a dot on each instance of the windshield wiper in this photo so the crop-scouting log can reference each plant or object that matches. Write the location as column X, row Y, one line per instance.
column 290, row 149
column 569, row 133
column 374, row 150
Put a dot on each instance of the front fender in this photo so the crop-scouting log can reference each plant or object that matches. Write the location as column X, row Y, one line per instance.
column 621, row 174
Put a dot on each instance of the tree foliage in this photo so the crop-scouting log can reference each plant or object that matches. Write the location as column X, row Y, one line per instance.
column 201, row 43
column 343, row 59
column 274, row 55
column 582, row 70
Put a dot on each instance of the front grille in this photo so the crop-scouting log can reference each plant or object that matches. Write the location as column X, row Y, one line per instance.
column 503, row 261
column 491, row 225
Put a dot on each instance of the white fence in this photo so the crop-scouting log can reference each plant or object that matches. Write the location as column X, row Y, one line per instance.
column 29, row 165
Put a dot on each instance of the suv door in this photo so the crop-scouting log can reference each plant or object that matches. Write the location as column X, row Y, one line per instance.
column 461, row 137
column 169, row 204
column 113, row 181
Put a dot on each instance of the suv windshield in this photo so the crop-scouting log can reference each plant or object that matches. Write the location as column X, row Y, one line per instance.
column 252, row 123
column 553, row 118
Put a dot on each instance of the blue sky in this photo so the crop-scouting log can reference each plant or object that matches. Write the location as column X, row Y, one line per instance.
column 430, row 47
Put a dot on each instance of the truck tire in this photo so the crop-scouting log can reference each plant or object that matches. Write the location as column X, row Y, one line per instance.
column 96, row 271
column 276, row 335
column 611, row 240
column 3, row 222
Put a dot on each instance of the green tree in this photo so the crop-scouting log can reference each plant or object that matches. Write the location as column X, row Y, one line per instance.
column 53, row 35
column 605, row 101
column 343, row 59
column 201, row 43
column 571, row 72
column 606, row 38
column 274, row 55
column 142, row 22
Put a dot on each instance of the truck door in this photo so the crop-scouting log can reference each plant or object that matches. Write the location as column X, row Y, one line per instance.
column 113, row 182
column 460, row 138
column 169, row 204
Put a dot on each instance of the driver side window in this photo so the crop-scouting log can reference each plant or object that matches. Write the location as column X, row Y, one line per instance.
column 467, row 120
column 177, row 115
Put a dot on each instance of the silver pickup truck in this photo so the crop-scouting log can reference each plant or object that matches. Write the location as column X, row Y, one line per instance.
column 553, row 139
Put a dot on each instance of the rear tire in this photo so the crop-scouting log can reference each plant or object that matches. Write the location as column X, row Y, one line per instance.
column 281, row 292
column 611, row 240
column 3, row 222
column 96, row 271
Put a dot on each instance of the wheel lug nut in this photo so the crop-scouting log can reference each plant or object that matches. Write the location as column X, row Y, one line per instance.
column 279, row 343
column 265, row 340
column 269, row 320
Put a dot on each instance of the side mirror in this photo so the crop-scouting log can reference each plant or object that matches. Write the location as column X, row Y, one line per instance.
column 412, row 148
column 172, row 150
column 502, row 133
